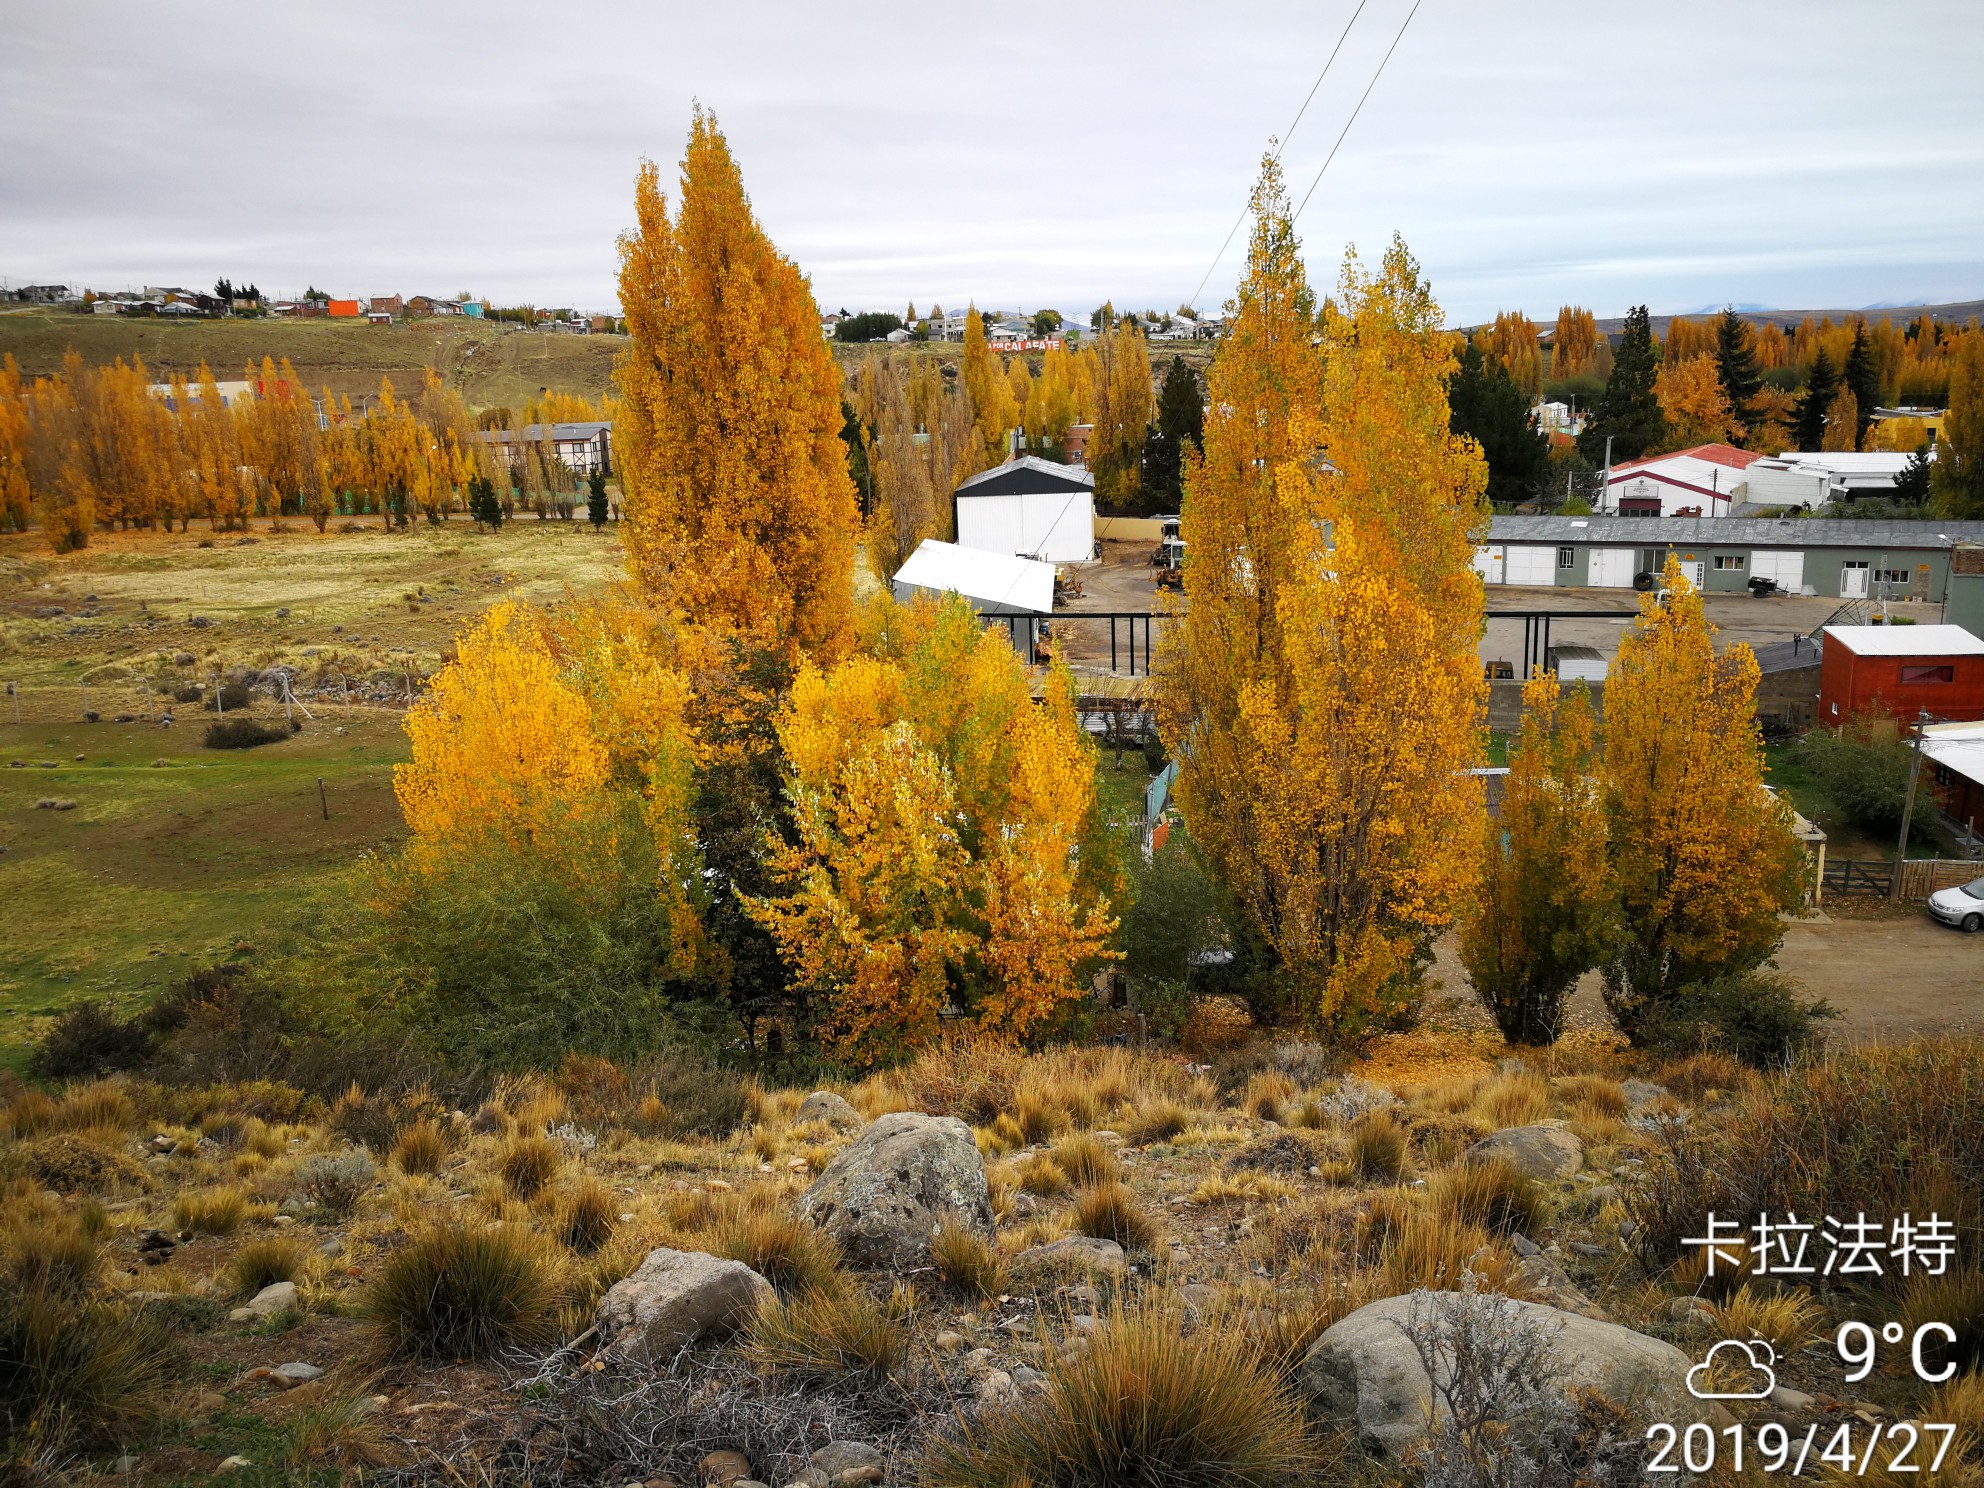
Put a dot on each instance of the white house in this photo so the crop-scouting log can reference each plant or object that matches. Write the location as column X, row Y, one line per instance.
column 1850, row 473
column 1029, row 508
column 1706, row 481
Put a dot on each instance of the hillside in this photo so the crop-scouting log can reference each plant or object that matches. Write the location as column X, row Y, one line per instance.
column 490, row 364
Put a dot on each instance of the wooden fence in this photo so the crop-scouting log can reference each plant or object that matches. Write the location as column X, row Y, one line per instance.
column 1920, row 877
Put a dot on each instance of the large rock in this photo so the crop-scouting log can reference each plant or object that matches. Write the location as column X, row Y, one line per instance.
column 1365, row 1369
column 674, row 1298
column 894, row 1186
column 1545, row 1152
column 825, row 1105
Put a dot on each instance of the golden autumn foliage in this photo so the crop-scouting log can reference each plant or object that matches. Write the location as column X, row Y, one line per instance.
column 1574, row 347
column 16, row 492
column 1693, row 402
column 739, row 508
column 1512, row 341
column 1124, row 405
column 1543, row 913
column 1321, row 694
column 1688, row 339
column 988, row 394
column 1702, row 853
column 1842, row 421
column 943, row 838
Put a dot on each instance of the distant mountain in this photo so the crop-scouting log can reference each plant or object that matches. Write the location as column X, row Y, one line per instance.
column 1741, row 307
column 1954, row 313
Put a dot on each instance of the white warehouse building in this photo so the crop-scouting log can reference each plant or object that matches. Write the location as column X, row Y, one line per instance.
column 1028, row 508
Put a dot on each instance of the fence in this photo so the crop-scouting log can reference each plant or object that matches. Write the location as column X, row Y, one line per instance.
column 1920, row 877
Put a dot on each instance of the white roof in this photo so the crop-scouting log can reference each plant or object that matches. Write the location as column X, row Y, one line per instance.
column 1690, row 470
column 1906, row 640
column 991, row 581
column 1849, row 462
column 1958, row 746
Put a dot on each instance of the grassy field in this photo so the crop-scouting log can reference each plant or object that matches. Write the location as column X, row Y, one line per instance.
column 172, row 852
column 492, row 365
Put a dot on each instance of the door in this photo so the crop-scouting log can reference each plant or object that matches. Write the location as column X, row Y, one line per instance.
column 1488, row 563
column 1611, row 568
column 1695, row 570
column 1787, row 568
column 1852, row 580
column 1529, row 564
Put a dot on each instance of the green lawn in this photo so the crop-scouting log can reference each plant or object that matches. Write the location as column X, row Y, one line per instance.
column 172, row 853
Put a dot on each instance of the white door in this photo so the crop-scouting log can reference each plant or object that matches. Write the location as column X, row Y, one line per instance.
column 1527, row 563
column 1611, row 568
column 1787, row 568
column 1696, row 571
column 1853, row 581
column 1488, row 563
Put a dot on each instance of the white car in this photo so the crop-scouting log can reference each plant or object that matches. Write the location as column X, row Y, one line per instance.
column 1962, row 907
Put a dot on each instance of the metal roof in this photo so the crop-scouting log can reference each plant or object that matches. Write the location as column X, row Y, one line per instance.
column 1052, row 477
column 1956, row 746
column 993, row 582
column 1906, row 640
column 1733, row 532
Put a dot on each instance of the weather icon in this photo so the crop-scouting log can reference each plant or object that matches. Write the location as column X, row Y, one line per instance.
column 1756, row 1354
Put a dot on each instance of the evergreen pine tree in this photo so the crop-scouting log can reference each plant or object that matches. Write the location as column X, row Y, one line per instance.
column 1863, row 378
column 1912, row 485
column 1821, row 382
column 1181, row 420
column 1628, row 412
column 1736, row 363
column 1487, row 404
column 1181, row 412
column 596, row 511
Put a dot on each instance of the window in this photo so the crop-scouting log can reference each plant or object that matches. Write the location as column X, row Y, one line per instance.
column 1728, row 561
column 1891, row 576
column 1928, row 674
column 1565, row 557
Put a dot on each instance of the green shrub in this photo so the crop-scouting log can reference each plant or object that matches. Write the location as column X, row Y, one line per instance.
column 697, row 1099
column 245, row 733
column 1864, row 767
column 88, row 1039
column 457, row 1292
column 1142, row 1409
column 335, row 1182
column 1757, row 1016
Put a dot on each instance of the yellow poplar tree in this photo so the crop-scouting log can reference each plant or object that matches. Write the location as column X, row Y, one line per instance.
column 1694, row 403
column 1124, row 408
column 739, row 508
column 945, row 837
column 1702, row 854
column 1512, row 339
column 1574, row 348
column 1842, row 421
column 1542, row 916
column 16, row 490
column 989, row 395
column 1321, row 693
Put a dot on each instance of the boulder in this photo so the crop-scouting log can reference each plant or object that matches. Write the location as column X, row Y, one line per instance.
column 1365, row 1369
column 1545, row 1152
column 1642, row 1095
column 1072, row 1255
column 276, row 1297
column 899, row 1182
column 825, row 1105
column 838, row 1457
column 674, row 1298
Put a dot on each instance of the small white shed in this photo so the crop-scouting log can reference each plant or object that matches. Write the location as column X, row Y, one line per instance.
column 1029, row 508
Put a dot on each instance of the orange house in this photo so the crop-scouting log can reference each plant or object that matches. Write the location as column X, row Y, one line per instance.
column 347, row 309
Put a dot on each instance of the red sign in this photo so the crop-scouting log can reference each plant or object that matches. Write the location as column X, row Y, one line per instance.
column 1050, row 345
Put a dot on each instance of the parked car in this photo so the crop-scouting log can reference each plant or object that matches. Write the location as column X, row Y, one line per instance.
column 1962, row 906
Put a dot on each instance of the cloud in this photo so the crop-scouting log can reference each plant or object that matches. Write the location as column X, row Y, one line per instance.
column 1760, row 1379
column 1032, row 153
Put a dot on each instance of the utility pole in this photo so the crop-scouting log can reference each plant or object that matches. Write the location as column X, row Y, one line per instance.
column 1605, row 478
column 1908, row 802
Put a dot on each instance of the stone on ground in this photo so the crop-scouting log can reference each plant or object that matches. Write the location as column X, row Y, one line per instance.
column 825, row 1105
column 1070, row 1255
column 673, row 1299
column 891, row 1189
column 1545, row 1152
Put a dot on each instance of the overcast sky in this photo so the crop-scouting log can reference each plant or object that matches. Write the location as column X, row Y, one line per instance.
column 1686, row 153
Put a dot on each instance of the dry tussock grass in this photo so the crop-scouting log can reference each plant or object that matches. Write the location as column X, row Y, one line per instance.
column 1519, row 1098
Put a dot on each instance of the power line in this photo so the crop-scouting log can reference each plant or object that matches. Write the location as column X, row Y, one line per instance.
column 1281, row 145
column 1356, row 111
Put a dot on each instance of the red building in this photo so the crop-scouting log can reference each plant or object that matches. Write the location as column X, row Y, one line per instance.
column 1901, row 669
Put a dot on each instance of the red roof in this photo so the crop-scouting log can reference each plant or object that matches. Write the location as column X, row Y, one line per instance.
column 1715, row 454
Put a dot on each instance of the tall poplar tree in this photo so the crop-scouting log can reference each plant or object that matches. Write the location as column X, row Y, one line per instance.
column 1321, row 693
column 989, row 394
column 739, row 508
column 1959, row 478
column 1629, row 411
column 1702, row 854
